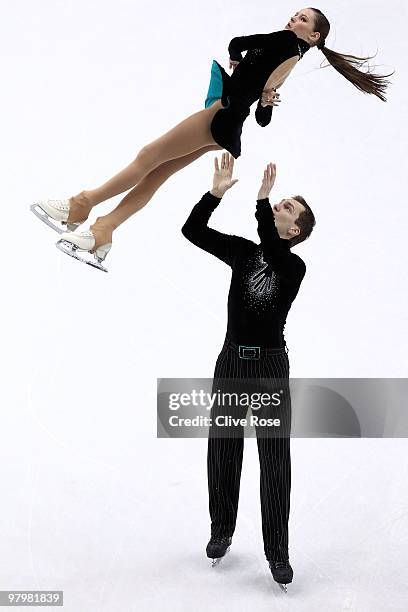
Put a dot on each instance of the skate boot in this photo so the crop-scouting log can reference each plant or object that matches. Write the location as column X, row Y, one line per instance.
column 217, row 547
column 71, row 242
column 55, row 214
column 282, row 572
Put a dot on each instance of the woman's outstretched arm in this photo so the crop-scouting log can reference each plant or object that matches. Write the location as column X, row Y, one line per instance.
column 257, row 41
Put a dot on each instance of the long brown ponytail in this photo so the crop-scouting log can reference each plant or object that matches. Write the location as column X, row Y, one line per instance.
column 348, row 65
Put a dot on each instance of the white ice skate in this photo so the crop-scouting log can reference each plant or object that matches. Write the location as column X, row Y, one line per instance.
column 71, row 242
column 55, row 214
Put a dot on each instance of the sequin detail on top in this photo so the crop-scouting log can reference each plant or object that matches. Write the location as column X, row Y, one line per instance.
column 302, row 51
column 260, row 284
column 253, row 55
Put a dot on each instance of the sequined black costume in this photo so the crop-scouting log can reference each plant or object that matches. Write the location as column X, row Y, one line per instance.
column 265, row 277
column 265, row 52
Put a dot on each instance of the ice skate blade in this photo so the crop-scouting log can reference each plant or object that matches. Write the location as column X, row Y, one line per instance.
column 217, row 560
column 71, row 249
column 283, row 587
column 41, row 214
column 62, row 227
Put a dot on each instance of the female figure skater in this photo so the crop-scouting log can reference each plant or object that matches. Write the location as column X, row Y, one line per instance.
column 256, row 76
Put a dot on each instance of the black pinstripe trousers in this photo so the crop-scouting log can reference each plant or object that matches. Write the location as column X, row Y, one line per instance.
column 225, row 448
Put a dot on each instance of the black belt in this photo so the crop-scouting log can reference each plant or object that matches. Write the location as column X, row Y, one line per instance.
column 253, row 352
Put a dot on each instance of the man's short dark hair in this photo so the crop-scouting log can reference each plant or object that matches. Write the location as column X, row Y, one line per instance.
column 305, row 222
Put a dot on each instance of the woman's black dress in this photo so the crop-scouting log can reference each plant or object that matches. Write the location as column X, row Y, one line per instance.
column 265, row 52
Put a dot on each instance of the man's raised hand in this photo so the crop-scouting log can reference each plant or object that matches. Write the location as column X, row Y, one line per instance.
column 268, row 181
column 222, row 180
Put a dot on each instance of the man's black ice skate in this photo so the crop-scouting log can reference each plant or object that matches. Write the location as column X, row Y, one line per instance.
column 282, row 572
column 217, row 547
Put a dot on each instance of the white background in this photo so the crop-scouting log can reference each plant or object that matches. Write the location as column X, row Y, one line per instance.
column 92, row 502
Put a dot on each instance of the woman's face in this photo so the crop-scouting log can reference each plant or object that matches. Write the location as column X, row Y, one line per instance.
column 302, row 23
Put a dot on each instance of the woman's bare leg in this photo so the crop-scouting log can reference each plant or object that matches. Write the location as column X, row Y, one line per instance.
column 186, row 137
column 141, row 194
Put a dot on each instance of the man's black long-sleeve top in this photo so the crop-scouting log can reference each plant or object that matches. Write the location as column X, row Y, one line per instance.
column 265, row 277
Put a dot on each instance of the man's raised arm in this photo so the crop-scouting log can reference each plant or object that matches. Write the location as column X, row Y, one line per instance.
column 196, row 227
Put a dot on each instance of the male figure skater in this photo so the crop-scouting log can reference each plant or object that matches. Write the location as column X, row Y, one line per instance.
column 265, row 280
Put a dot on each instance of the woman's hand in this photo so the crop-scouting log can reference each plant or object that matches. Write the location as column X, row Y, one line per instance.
column 223, row 180
column 268, row 181
column 233, row 64
column 270, row 97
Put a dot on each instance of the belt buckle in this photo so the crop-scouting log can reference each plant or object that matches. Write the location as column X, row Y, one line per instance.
column 254, row 352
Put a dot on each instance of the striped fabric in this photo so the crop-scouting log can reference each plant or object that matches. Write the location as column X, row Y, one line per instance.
column 225, row 449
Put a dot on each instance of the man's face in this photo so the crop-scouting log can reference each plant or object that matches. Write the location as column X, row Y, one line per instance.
column 286, row 213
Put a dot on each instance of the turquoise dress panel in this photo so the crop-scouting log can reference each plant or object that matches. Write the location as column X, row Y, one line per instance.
column 215, row 87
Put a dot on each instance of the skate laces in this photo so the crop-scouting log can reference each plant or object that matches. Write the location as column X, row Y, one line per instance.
column 281, row 564
column 219, row 540
column 61, row 204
